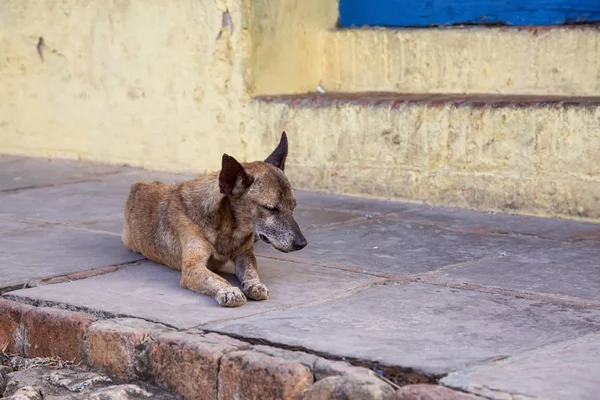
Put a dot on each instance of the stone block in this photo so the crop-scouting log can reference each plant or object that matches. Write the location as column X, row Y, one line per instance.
column 11, row 316
column 121, row 346
column 364, row 387
column 56, row 333
column 254, row 376
column 188, row 365
column 430, row 392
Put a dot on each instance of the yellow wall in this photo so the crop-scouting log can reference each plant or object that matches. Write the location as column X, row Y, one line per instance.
column 541, row 60
column 286, row 54
column 530, row 159
column 149, row 83
column 154, row 84
column 170, row 85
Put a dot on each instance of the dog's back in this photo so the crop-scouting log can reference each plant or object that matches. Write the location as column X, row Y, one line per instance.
column 142, row 217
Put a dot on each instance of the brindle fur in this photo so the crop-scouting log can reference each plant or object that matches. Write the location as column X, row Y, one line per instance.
column 199, row 225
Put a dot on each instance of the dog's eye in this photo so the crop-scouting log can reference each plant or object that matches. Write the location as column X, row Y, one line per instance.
column 271, row 208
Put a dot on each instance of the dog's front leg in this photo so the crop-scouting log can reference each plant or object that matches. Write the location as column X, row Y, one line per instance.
column 247, row 273
column 197, row 277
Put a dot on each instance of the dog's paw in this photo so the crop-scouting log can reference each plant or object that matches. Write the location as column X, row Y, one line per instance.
column 230, row 297
column 256, row 291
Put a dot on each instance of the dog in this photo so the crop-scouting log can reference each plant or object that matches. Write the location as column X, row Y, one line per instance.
column 197, row 226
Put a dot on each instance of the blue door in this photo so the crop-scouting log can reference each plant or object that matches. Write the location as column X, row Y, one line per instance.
column 423, row 13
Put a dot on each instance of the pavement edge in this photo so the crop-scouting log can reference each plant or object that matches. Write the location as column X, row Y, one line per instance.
column 194, row 364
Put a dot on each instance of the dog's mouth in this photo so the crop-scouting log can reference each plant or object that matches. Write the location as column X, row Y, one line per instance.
column 264, row 238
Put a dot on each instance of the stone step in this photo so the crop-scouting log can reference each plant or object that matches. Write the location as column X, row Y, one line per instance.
column 528, row 60
column 521, row 154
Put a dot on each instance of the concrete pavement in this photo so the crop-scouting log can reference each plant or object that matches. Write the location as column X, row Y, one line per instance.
column 496, row 305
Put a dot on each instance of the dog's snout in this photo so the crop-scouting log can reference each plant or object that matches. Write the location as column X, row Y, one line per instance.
column 300, row 243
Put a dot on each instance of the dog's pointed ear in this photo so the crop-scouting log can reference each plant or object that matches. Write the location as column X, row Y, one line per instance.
column 233, row 178
column 278, row 156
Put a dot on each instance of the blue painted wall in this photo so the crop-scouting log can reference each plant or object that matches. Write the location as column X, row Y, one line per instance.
column 414, row 13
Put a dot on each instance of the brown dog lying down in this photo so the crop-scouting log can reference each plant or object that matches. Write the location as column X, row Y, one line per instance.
column 197, row 226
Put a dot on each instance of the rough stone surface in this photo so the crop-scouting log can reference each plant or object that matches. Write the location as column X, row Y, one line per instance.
column 26, row 393
column 119, row 392
column 402, row 248
column 52, row 332
column 74, row 384
column 254, row 376
column 566, row 269
column 121, row 346
column 349, row 387
column 47, row 251
column 568, row 370
column 4, row 371
column 431, row 329
column 152, row 292
column 11, row 316
column 188, row 365
column 430, row 392
column 53, row 381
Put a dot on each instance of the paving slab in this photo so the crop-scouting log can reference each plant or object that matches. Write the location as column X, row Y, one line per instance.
column 357, row 205
column 151, row 291
column 46, row 251
column 309, row 219
column 11, row 224
column 77, row 201
column 486, row 222
column 21, row 172
column 110, row 223
column 568, row 269
column 396, row 247
column 431, row 329
column 569, row 370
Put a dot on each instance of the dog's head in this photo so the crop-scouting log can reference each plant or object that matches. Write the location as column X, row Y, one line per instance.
column 260, row 192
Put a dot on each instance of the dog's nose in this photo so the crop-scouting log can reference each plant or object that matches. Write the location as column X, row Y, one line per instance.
column 300, row 243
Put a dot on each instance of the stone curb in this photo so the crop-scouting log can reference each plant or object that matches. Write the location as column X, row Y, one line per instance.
column 193, row 364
